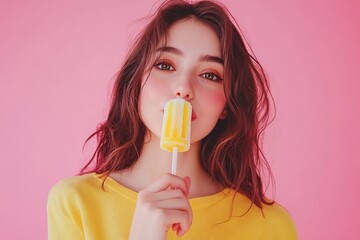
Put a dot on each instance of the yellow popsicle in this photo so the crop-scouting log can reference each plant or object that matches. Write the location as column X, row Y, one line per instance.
column 176, row 126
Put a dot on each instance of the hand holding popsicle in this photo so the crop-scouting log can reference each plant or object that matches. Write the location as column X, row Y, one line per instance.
column 163, row 204
column 176, row 128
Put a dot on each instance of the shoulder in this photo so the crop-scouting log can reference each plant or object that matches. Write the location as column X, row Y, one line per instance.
column 280, row 221
column 75, row 183
column 74, row 187
column 69, row 202
column 274, row 220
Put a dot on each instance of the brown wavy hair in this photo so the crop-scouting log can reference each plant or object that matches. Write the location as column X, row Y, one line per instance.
column 231, row 154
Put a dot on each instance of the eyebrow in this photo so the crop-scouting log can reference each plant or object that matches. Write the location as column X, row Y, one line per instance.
column 203, row 58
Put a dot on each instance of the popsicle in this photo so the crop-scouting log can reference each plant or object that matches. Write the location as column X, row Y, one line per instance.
column 176, row 126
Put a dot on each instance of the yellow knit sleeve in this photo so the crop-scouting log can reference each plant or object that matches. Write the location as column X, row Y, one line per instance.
column 63, row 213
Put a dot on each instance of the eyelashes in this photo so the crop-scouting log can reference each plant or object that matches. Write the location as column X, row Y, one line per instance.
column 164, row 66
column 211, row 75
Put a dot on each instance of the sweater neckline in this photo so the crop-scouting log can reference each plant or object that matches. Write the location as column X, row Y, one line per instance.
column 196, row 203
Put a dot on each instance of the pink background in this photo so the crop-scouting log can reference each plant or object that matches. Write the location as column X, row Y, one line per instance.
column 57, row 62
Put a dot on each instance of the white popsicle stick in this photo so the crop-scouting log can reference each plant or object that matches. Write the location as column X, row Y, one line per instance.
column 174, row 161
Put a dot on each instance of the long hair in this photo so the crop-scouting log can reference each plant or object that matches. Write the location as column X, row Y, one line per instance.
column 231, row 154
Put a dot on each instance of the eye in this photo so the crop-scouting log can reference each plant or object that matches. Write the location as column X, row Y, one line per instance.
column 211, row 76
column 164, row 66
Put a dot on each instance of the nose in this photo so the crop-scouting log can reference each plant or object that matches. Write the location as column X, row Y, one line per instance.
column 184, row 90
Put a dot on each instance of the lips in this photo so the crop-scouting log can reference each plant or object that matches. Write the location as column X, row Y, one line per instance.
column 193, row 116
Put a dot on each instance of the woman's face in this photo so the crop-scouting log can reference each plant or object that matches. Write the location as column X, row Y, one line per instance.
column 190, row 67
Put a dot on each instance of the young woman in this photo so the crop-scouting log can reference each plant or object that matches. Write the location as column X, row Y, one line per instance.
column 195, row 52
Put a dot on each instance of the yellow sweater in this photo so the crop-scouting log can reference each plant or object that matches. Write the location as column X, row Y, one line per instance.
column 78, row 208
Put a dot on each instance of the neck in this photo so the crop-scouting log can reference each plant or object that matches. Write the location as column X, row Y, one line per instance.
column 154, row 162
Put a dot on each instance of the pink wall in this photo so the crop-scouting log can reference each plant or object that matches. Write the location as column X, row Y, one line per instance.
column 57, row 62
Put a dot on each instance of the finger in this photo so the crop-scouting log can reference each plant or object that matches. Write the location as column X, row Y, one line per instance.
column 177, row 217
column 180, row 205
column 165, row 181
column 177, row 204
column 188, row 184
column 175, row 227
column 180, row 231
column 182, row 228
column 168, row 194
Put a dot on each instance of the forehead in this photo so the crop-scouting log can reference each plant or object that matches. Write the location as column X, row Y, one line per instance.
column 194, row 37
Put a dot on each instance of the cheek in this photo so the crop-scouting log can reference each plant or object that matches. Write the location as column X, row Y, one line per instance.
column 213, row 100
column 152, row 90
column 154, row 84
column 150, row 104
column 151, row 86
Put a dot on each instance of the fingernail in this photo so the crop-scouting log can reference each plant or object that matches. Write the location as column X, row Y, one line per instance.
column 175, row 227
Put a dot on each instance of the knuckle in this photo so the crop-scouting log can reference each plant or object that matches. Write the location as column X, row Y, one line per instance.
column 185, row 202
column 183, row 193
column 179, row 193
column 142, row 196
column 168, row 176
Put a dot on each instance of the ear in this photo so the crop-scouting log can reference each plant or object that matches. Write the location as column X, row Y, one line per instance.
column 223, row 114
